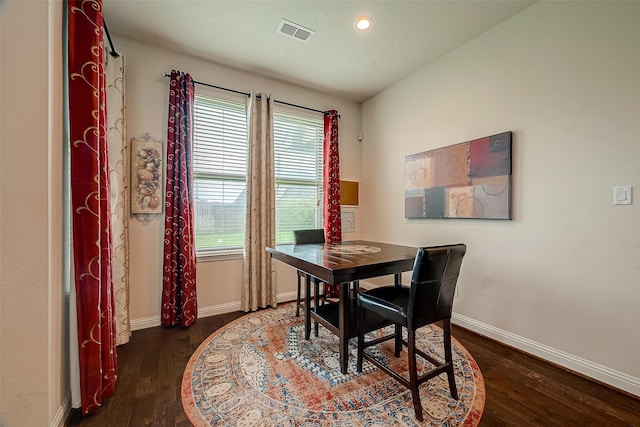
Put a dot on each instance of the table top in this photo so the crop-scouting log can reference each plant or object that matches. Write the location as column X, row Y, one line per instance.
column 346, row 261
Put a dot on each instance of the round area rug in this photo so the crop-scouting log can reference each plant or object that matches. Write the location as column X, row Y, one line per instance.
column 260, row 371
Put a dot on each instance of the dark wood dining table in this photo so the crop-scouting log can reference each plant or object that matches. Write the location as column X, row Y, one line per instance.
column 341, row 264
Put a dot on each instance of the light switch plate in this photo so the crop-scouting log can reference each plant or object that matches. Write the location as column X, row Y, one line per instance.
column 622, row 195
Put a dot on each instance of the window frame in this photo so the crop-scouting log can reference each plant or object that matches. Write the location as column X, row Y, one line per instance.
column 212, row 254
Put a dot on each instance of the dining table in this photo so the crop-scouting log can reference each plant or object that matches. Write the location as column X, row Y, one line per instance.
column 342, row 264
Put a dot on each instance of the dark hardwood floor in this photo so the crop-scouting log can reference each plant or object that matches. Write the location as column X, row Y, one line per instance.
column 521, row 390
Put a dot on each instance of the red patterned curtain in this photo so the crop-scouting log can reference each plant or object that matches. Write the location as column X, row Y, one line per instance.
column 331, row 181
column 90, row 199
column 179, row 299
column 331, row 186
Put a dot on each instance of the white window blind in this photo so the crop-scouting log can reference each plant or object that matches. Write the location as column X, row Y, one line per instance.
column 220, row 173
column 298, row 169
column 220, row 169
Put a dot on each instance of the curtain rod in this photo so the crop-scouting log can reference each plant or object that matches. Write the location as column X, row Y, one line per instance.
column 113, row 49
column 163, row 74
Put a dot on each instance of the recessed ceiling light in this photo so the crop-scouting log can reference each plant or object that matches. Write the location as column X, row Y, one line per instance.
column 363, row 23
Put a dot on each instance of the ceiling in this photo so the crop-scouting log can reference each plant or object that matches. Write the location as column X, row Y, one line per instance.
column 337, row 59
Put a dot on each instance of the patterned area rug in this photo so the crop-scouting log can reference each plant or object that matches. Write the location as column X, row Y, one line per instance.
column 260, row 371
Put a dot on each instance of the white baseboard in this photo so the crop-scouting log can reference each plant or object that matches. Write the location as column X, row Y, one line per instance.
column 152, row 321
column 145, row 322
column 63, row 412
column 577, row 364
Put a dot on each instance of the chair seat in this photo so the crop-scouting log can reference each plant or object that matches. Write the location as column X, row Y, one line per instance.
column 390, row 302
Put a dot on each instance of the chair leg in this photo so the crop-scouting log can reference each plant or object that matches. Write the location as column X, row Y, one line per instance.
column 448, row 357
column 323, row 294
column 360, row 342
column 307, row 307
column 316, row 301
column 398, row 339
column 413, row 374
column 298, row 296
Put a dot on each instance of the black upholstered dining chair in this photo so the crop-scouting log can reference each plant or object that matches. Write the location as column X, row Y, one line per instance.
column 429, row 299
column 302, row 237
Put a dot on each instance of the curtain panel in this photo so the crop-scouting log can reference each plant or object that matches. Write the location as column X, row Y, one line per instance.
column 90, row 204
column 331, row 179
column 119, row 179
column 179, row 297
column 331, row 187
column 259, row 290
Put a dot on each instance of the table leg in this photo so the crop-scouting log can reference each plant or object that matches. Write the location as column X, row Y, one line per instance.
column 307, row 307
column 356, row 289
column 342, row 324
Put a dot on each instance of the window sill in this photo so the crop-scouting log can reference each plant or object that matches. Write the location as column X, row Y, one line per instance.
column 219, row 256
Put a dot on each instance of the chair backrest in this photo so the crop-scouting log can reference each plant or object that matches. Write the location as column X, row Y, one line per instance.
column 301, row 237
column 433, row 283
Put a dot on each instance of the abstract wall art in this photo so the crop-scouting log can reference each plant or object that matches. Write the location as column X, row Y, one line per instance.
column 467, row 180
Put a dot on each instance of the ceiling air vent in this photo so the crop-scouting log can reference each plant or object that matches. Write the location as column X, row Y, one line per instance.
column 296, row 31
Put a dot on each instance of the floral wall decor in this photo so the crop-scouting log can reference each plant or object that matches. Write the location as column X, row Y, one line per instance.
column 147, row 175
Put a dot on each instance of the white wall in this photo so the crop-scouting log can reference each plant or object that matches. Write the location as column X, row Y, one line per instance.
column 147, row 97
column 563, row 277
column 563, row 273
column 33, row 347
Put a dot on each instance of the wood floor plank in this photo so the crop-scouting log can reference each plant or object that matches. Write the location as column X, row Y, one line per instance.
column 142, row 411
column 521, row 390
column 540, row 393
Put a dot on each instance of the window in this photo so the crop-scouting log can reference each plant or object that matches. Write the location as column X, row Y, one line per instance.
column 220, row 168
column 298, row 170
column 220, row 172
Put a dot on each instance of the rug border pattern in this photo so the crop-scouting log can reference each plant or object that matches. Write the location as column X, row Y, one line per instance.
column 192, row 409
